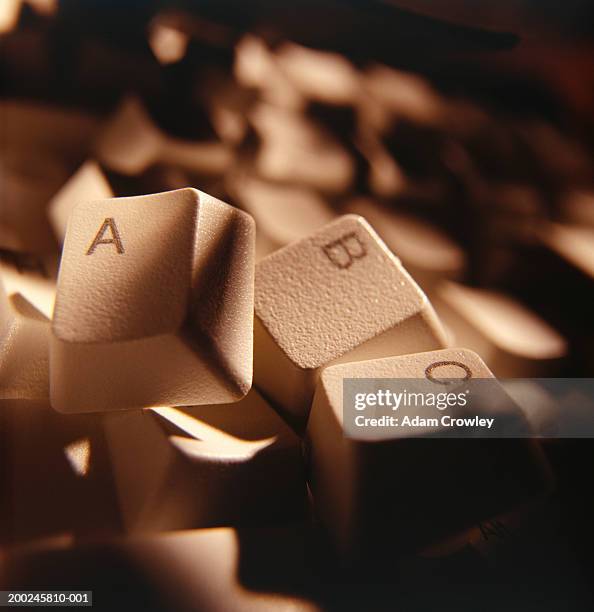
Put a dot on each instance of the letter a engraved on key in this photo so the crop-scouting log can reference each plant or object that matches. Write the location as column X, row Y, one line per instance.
column 343, row 252
column 115, row 239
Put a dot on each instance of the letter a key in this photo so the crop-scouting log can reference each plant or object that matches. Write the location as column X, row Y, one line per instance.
column 154, row 304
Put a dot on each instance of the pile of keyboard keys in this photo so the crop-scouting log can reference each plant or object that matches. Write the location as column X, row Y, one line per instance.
column 202, row 234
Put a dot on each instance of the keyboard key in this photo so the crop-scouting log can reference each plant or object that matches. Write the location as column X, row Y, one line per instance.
column 426, row 252
column 393, row 93
column 28, row 183
column 131, row 142
column 283, row 213
column 33, row 276
column 206, row 466
column 513, row 340
column 154, row 304
column 338, row 295
column 168, row 42
column 257, row 67
column 87, row 184
column 319, row 75
column 24, row 340
column 9, row 15
column 385, row 177
column 295, row 150
column 573, row 243
column 50, row 132
column 380, row 491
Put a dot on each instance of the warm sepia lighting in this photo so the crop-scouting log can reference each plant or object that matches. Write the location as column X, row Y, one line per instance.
column 78, row 454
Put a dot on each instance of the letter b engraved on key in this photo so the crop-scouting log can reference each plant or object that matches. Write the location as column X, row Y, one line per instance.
column 345, row 250
column 108, row 224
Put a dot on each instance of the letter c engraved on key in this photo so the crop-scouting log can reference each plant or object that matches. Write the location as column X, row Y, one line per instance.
column 345, row 250
column 438, row 364
column 108, row 224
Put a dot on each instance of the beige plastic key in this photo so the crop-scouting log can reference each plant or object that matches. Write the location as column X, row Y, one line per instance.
column 573, row 243
column 87, row 183
column 513, row 340
column 154, row 304
column 337, row 296
column 283, row 213
column 394, row 93
column 205, row 465
column 295, row 150
column 319, row 75
column 48, row 132
column 131, row 142
column 28, row 182
column 24, row 347
column 386, row 178
column 426, row 252
column 33, row 276
column 167, row 42
column 257, row 67
column 397, row 487
column 10, row 10
column 9, row 14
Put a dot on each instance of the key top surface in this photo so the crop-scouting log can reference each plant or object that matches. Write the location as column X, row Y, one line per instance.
column 131, row 142
column 338, row 295
column 383, row 489
column 283, row 214
column 190, row 257
column 425, row 251
column 87, row 183
column 512, row 339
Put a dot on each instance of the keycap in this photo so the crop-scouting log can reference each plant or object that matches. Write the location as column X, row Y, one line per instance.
column 394, row 93
column 24, row 346
column 46, row 131
column 131, row 142
column 337, row 295
column 426, row 252
column 295, row 150
column 59, row 481
column 168, row 43
column 32, row 275
column 9, row 14
column 283, row 213
column 257, row 67
column 154, row 304
column 10, row 11
column 573, row 243
column 204, row 466
column 319, row 75
column 391, row 488
column 513, row 340
column 86, row 184
column 28, row 183
column 385, row 177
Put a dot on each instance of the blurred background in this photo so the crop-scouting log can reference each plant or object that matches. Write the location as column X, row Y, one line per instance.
column 464, row 135
column 462, row 130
